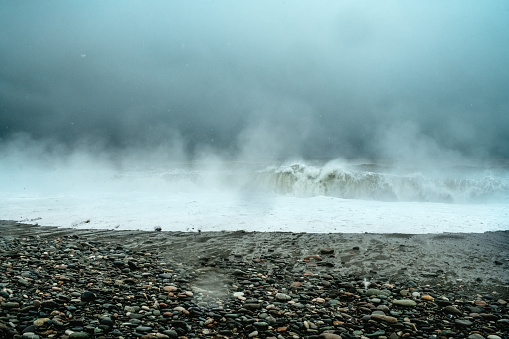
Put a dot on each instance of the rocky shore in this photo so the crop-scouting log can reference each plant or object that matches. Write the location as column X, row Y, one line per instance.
column 75, row 283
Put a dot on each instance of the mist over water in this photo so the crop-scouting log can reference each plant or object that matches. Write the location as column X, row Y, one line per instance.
column 268, row 79
column 225, row 114
column 82, row 189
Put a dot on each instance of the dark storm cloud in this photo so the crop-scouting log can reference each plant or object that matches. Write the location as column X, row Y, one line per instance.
column 318, row 79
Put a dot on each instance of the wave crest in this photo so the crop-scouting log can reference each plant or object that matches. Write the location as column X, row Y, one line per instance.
column 338, row 181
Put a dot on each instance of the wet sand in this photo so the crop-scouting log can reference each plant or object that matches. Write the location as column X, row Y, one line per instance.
column 476, row 263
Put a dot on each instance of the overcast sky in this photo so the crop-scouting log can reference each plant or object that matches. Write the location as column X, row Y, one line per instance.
column 262, row 78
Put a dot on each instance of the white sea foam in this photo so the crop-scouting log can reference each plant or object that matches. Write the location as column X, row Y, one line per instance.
column 351, row 182
column 294, row 197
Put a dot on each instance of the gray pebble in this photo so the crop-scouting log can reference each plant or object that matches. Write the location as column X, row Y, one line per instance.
column 143, row 328
column 404, row 302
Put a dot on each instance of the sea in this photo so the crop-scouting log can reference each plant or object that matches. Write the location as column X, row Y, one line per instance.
column 320, row 196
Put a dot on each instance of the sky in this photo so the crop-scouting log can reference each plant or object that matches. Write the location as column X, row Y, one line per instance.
column 258, row 79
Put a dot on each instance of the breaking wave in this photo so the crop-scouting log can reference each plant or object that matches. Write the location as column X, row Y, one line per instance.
column 336, row 181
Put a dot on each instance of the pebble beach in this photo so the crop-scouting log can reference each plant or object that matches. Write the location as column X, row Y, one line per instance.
column 78, row 283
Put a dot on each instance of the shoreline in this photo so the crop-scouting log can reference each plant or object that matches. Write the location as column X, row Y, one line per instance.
column 470, row 259
column 78, row 283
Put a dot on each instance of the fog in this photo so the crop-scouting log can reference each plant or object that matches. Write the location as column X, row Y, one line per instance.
column 255, row 80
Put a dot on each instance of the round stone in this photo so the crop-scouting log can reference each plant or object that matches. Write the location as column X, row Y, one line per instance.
column 404, row 302
column 326, row 251
column 41, row 321
column 373, row 291
column 143, row 328
column 30, row 335
column 463, row 322
column 452, row 310
column 283, row 297
column 480, row 303
column 386, row 318
column 88, row 296
column 106, row 321
column 262, row 325
column 326, row 335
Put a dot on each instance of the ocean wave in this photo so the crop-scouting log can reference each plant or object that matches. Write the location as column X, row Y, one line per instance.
column 347, row 180
column 334, row 180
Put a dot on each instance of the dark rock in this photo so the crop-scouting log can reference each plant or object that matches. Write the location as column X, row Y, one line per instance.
column 88, row 296
column 31, row 328
column 452, row 310
column 503, row 323
column 49, row 304
column 10, row 304
column 326, row 251
column 107, row 321
column 462, row 323
column 179, row 324
column 143, row 329
column 79, row 335
column 489, row 316
column 171, row 333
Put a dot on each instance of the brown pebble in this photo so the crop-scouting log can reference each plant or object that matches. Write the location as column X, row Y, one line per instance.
column 331, row 336
column 480, row 303
column 489, row 316
column 316, row 257
column 170, row 288
column 41, row 321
